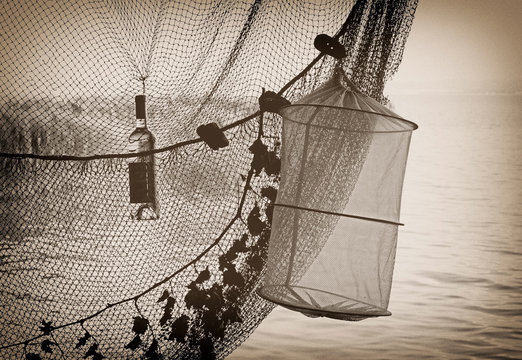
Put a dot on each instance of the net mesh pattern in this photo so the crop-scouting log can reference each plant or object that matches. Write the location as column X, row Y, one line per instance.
column 332, row 246
column 79, row 277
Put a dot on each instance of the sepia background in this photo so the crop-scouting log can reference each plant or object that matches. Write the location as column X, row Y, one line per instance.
column 458, row 274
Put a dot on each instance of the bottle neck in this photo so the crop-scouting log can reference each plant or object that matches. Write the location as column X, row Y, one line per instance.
column 141, row 111
column 141, row 123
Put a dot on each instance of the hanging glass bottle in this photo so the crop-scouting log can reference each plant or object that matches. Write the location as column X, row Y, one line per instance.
column 141, row 168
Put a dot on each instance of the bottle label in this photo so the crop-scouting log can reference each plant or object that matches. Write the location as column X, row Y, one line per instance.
column 141, row 176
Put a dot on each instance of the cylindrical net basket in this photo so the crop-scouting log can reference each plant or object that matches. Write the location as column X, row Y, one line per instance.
column 334, row 235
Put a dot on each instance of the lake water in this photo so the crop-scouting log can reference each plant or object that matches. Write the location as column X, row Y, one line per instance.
column 457, row 290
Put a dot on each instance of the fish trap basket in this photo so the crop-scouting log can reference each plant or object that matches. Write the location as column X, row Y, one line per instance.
column 334, row 235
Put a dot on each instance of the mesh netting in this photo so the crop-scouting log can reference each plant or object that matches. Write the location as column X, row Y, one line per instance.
column 332, row 246
column 80, row 278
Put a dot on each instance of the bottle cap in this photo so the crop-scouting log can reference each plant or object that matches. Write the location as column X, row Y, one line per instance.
column 141, row 111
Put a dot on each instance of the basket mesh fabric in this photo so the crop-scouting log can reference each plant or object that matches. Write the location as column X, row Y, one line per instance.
column 334, row 233
column 80, row 279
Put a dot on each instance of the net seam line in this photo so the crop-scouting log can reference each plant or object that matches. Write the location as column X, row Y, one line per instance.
column 340, row 214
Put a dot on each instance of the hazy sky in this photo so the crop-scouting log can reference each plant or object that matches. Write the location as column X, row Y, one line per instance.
column 463, row 44
column 454, row 44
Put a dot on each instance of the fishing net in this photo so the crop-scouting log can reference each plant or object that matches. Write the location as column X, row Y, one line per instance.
column 81, row 277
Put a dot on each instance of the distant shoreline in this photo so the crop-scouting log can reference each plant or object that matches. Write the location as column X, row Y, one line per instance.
column 452, row 92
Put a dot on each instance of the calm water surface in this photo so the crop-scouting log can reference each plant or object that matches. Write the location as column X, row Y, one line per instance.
column 457, row 290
